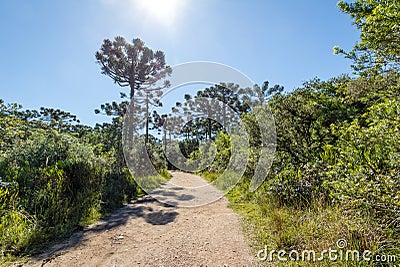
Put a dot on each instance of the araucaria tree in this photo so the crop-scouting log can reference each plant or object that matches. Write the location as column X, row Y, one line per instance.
column 135, row 66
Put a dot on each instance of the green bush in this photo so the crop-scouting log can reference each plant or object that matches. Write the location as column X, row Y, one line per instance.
column 290, row 187
column 16, row 231
column 117, row 188
column 58, row 183
column 364, row 163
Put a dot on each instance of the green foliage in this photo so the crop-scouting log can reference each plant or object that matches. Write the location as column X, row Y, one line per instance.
column 293, row 228
column 156, row 154
column 337, row 156
column 302, row 120
column 11, row 128
column 59, row 181
column 379, row 24
column 117, row 189
column 291, row 187
column 131, row 64
column 201, row 158
column 188, row 146
column 16, row 231
column 54, row 180
column 364, row 164
column 223, row 153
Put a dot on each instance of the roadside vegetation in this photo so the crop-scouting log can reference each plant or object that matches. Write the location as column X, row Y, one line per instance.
column 336, row 173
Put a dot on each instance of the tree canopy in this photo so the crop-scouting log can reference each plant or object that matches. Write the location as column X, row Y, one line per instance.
column 379, row 25
column 131, row 64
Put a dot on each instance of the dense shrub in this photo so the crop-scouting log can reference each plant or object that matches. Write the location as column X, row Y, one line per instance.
column 56, row 183
column 364, row 163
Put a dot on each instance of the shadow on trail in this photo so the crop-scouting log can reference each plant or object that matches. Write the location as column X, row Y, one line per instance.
column 161, row 217
column 148, row 208
column 156, row 212
column 121, row 216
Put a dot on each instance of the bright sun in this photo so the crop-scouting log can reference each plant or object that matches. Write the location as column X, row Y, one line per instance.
column 165, row 11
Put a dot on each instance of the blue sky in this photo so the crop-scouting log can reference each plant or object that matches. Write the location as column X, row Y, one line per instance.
column 48, row 46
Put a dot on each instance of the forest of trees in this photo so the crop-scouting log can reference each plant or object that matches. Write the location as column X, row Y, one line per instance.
column 337, row 160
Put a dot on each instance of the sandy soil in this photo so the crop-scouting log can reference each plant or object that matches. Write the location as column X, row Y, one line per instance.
column 151, row 233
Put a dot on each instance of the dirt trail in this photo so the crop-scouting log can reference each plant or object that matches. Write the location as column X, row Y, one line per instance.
column 150, row 233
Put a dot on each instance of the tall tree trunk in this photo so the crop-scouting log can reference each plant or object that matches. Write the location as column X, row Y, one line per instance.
column 131, row 115
column 209, row 128
column 147, row 119
column 165, row 139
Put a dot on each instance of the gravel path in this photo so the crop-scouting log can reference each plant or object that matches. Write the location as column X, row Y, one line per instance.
column 151, row 233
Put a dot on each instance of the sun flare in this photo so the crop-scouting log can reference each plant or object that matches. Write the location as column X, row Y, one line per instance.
column 164, row 11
